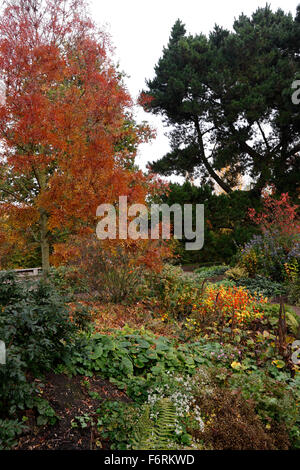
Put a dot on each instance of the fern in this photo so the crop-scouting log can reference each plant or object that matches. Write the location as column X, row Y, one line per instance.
column 144, row 431
column 156, row 435
column 166, row 424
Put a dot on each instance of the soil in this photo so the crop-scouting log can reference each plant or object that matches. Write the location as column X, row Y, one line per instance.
column 69, row 397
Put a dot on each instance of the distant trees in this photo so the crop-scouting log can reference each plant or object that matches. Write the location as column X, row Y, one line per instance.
column 227, row 223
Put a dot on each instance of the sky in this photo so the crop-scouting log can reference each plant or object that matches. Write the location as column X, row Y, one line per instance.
column 140, row 29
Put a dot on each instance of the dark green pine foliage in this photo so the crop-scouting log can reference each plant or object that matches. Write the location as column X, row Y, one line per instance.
column 227, row 224
column 228, row 100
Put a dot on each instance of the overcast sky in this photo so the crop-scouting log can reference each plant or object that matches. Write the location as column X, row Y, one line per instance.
column 140, row 28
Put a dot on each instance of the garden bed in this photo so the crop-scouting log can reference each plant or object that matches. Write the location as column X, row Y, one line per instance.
column 205, row 358
column 70, row 398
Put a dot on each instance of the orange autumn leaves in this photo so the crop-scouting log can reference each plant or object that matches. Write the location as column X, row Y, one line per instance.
column 232, row 306
column 68, row 137
column 233, row 302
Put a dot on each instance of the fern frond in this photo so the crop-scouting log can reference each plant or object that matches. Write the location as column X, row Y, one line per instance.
column 156, row 435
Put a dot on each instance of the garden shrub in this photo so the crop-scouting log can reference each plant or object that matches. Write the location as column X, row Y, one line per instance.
column 170, row 277
column 275, row 253
column 236, row 273
column 211, row 271
column 117, row 421
column 293, row 292
column 10, row 289
column 135, row 360
column 271, row 314
column 116, row 272
column 39, row 326
column 292, row 274
column 225, row 306
column 130, row 358
column 172, row 294
column 10, row 429
column 267, row 255
column 66, row 280
column 262, row 285
column 36, row 327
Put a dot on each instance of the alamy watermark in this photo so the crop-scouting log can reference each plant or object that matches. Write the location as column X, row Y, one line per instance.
column 296, row 94
column 2, row 93
column 296, row 352
column 2, row 353
column 137, row 222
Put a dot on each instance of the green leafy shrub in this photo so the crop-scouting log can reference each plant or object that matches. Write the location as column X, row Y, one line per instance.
column 293, row 292
column 271, row 314
column 10, row 429
column 208, row 272
column 292, row 280
column 39, row 326
column 262, row 285
column 133, row 360
column 173, row 294
column 45, row 411
column 117, row 421
column 171, row 277
column 36, row 327
column 10, row 289
column 66, row 280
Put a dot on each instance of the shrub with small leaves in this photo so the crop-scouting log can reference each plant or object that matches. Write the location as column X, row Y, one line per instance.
column 236, row 273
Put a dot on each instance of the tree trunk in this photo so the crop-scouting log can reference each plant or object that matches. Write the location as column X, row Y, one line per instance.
column 45, row 248
column 206, row 163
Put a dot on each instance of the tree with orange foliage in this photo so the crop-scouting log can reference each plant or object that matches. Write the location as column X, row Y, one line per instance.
column 279, row 214
column 68, row 140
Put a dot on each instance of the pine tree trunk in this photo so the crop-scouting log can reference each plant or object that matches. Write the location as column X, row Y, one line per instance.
column 206, row 163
